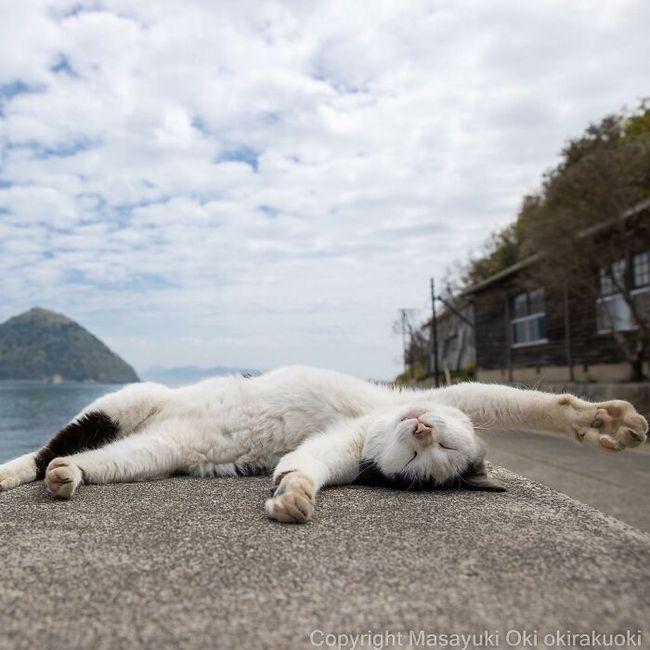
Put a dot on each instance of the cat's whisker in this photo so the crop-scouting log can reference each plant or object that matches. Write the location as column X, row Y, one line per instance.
column 415, row 455
column 485, row 426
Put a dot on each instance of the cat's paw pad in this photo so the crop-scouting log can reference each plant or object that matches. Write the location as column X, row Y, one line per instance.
column 293, row 501
column 62, row 478
column 614, row 426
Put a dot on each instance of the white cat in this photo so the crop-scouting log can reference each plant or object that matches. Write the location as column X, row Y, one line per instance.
column 310, row 428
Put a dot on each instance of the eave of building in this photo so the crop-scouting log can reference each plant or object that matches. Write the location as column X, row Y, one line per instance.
column 528, row 261
column 511, row 270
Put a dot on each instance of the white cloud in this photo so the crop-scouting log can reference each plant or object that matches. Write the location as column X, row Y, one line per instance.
column 263, row 183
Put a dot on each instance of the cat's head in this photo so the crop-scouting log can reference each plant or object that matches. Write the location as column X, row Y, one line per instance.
column 425, row 445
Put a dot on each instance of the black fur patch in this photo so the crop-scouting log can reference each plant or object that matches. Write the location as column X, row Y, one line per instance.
column 248, row 469
column 371, row 475
column 91, row 431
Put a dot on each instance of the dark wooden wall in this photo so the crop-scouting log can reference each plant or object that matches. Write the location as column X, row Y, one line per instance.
column 493, row 350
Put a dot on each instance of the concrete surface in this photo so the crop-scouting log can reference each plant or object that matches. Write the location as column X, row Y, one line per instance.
column 190, row 563
column 618, row 484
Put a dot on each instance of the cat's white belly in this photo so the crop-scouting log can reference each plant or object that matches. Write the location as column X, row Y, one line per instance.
column 252, row 445
column 245, row 465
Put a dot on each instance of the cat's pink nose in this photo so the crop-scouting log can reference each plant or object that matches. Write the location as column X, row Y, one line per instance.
column 422, row 430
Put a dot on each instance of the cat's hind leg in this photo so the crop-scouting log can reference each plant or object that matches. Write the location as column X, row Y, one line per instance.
column 108, row 418
column 144, row 456
column 17, row 471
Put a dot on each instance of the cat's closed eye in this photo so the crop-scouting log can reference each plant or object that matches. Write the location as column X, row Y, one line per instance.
column 413, row 414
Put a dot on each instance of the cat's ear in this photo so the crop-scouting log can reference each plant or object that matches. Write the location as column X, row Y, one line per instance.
column 477, row 478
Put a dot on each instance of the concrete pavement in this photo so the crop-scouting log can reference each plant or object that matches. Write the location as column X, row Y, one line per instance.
column 190, row 563
column 618, row 484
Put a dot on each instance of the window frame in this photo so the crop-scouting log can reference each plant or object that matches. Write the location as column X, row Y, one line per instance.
column 628, row 279
column 619, row 296
column 535, row 316
column 612, row 297
column 641, row 268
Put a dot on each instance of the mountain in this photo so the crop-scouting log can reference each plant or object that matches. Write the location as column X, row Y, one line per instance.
column 41, row 344
column 190, row 374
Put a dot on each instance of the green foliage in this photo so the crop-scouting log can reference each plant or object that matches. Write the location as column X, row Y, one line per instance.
column 468, row 373
column 638, row 125
column 40, row 344
column 501, row 251
column 417, row 373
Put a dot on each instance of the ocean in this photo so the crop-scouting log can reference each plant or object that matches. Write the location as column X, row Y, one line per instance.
column 30, row 411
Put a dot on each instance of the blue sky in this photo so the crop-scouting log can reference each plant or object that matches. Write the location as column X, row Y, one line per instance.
column 266, row 183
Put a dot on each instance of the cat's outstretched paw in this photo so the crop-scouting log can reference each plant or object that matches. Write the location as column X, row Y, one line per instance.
column 614, row 425
column 62, row 478
column 293, row 501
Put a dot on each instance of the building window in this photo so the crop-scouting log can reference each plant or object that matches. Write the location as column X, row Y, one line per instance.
column 641, row 269
column 528, row 320
column 612, row 278
column 612, row 311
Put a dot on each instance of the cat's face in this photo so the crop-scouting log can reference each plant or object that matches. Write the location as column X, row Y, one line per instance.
column 426, row 444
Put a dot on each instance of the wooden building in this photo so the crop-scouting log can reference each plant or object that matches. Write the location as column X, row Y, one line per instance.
column 455, row 328
column 525, row 331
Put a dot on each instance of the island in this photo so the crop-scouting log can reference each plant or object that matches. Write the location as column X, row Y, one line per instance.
column 40, row 344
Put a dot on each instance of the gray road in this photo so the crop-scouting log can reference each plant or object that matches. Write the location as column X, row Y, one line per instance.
column 618, row 484
column 190, row 563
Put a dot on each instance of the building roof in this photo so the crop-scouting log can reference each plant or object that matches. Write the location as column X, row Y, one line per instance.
column 511, row 270
column 528, row 261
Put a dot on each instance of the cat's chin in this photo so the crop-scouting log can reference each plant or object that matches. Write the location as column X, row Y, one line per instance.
column 371, row 474
column 475, row 479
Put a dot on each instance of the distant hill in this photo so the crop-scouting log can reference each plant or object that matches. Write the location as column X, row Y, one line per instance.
column 190, row 374
column 41, row 344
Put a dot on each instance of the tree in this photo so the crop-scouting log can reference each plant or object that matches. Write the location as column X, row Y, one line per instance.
column 500, row 251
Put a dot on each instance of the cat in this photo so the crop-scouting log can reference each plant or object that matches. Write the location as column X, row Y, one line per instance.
column 308, row 428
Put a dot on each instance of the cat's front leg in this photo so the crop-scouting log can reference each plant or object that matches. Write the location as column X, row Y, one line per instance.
column 294, row 499
column 328, row 458
column 613, row 425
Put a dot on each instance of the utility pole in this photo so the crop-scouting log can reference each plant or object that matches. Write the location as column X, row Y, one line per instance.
column 567, row 334
column 407, row 342
column 404, row 319
column 434, row 334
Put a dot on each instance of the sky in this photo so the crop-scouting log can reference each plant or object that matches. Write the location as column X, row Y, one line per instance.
column 264, row 183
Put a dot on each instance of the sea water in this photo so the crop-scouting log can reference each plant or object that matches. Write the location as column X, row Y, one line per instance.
column 31, row 412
